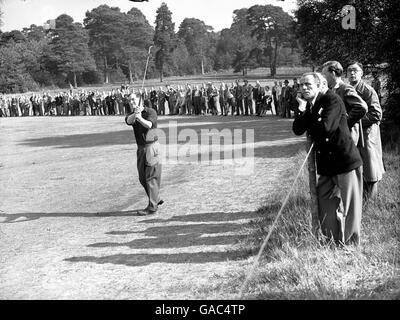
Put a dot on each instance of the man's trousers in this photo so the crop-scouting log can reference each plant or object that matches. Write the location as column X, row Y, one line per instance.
column 239, row 106
column 340, row 206
column 248, row 106
column 149, row 170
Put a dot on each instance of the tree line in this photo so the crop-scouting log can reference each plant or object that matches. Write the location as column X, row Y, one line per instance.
column 112, row 46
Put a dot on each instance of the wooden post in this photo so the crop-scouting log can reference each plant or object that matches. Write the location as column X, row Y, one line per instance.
column 312, row 179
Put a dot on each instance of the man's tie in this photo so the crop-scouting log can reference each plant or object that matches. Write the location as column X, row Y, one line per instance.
column 309, row 105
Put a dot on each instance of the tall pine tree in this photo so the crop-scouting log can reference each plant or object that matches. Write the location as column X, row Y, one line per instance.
column 164, row 37
column 106, row 26
column 69, row 48
column 138, row 38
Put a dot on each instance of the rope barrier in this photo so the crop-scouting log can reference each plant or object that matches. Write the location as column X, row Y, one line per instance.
column 250, row 275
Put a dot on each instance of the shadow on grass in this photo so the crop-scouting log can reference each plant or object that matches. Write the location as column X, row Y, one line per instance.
column 136, row 260
column 180, row 236
column 209, row 216
column 265, row 129
column 29, row 216
column 212, row 216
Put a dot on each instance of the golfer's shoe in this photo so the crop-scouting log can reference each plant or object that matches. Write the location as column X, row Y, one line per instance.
column 145, row 212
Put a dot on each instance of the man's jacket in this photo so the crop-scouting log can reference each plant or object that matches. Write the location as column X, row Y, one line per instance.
column 336, row 152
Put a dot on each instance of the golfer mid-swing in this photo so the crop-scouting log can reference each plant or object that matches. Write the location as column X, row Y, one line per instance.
column 143, row 119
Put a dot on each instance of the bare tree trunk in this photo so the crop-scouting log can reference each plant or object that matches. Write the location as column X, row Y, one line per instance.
column 312, row 179
column 130, row 72
column 161, row 72
column 202, row 66
column 75, row 83
column 274, row 59
column 105, row 70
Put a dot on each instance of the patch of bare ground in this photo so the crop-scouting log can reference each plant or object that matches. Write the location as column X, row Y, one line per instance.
column 69, row 190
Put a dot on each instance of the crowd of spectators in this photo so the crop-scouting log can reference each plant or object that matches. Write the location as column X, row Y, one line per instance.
column 190, row 99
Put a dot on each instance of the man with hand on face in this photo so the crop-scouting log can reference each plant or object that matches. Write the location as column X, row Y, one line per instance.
column 371, row 150
column 143, row 120
column 285, row 100
column 339, row 188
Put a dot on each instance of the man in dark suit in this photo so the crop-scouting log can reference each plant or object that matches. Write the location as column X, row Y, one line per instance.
column 161, row 97
column 247, row 98
column 239, row 98
column 148, row 158
column 293, row 94
column 153, row 99
column 285, row 100
column 339, row 163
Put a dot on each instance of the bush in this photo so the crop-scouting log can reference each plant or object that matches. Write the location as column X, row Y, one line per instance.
column 44, row 78
column 117, row 76
column 17, row 83
column 390, row 127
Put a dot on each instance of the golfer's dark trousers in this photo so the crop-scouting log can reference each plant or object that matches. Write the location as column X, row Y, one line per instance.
column 149, row 169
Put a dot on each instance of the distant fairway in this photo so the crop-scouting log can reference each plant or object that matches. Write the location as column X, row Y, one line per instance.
column 69, row 189
column 260, row 74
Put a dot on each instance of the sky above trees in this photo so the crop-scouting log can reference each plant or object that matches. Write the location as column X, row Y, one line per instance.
column 218, row 14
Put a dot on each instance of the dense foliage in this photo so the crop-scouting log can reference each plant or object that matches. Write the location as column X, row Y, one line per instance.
column 260, row 36
column 375, row 41
column 112, row 46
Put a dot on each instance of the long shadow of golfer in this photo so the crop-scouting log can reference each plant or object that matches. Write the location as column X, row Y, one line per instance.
column 136, row 260
column 199, row 235
column 179, row 236
column 29, row 216
column 209, row 216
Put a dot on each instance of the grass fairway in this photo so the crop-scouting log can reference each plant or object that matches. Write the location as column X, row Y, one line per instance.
column 69, row 191
column 69, row 188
